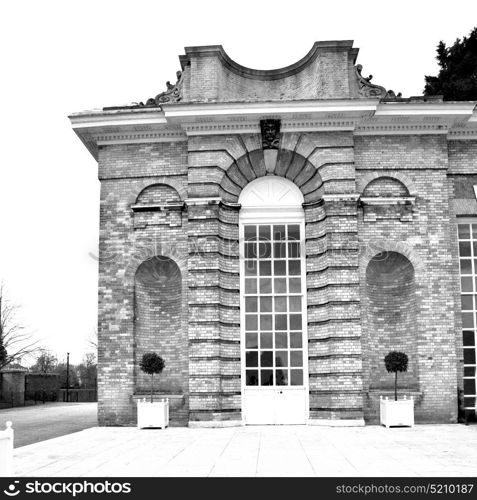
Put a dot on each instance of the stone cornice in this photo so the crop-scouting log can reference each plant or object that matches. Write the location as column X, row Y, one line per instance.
column 398, row 129
column 463, row 108
column 462, row 133
column 174, row 122
column 117, row 118
column 144, row 136
column 100, row 128
column 189, row 112
column 244, row 118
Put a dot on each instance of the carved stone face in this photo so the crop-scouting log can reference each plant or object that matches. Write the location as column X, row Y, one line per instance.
column 270, row 133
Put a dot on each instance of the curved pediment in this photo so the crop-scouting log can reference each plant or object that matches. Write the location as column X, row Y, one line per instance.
column 327, row 71
column 269, row 74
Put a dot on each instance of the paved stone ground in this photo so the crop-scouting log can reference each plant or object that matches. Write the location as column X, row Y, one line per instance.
column 427, row 450
column 45, row 421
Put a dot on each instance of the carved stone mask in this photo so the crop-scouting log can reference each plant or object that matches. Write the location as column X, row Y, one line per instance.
column 270, row 133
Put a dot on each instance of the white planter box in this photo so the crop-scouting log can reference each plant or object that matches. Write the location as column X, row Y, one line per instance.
column 396, row 413
column 153, row 414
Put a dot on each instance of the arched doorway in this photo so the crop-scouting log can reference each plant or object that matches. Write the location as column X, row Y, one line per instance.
column 273, row 303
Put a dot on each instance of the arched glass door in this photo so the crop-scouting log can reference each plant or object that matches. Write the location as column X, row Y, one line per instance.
column 273, row 303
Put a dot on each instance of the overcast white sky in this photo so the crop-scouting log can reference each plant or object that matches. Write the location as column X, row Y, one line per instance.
column 59, row 57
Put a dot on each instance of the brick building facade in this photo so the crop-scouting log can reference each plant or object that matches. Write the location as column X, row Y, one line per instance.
column 273, row 234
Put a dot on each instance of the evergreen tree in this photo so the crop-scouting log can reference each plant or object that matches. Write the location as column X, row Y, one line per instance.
column 457, row 78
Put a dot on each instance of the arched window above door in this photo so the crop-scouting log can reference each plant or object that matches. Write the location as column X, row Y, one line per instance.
column 271, row 194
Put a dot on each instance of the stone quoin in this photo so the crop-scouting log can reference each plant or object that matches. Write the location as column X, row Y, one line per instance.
column 273, row 234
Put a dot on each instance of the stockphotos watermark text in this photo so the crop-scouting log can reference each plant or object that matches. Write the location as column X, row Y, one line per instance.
column 72, row 488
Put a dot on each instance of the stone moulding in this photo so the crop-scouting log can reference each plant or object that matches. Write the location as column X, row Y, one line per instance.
column 388, row 208
column 462, row 134
column 377, row 201
column 392, row 129
column 158, row 207
column 190, row 202
column 146, row 136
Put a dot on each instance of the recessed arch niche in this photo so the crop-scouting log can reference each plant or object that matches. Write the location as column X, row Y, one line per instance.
column 158, row 325
column 391, row 318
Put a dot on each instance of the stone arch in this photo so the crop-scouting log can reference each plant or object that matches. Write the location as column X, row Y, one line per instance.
column 363, row 182
column 390, row 319
column 289, row 164
column 373, row 247
column 146, row 249
column 159, row 325
column 385, row 187
column 158, row 194
column 138, row 186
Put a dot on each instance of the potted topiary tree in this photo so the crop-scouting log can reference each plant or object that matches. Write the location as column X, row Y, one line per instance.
column 396, row 412
column 152, row 413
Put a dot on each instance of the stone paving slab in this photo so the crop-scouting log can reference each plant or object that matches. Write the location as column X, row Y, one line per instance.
column 426, row 450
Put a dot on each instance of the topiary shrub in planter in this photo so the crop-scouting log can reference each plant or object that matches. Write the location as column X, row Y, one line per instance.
column 152, row 364
column 152, row 413
column 395, row 362
column 397, row 412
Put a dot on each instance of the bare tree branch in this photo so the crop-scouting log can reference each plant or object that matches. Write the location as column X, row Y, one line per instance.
column 93, row 340
column 15, row 340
